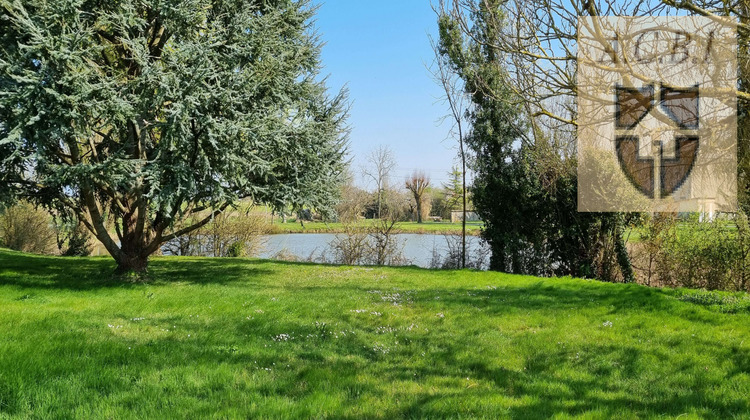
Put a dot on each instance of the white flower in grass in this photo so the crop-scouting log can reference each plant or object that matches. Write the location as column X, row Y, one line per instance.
column 282, row 337
column 440, row 315
column 384, row 330
column 379, row 348
column 607, row 323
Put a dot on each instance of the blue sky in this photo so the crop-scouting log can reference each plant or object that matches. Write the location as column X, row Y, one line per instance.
column 380, row 50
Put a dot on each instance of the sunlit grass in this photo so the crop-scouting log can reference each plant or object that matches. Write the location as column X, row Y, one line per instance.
column 233, row 338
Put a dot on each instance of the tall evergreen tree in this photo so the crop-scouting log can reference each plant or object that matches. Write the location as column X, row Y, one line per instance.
column 453, row 189
column 131, row 116
column 501, row 192
column 524, row 190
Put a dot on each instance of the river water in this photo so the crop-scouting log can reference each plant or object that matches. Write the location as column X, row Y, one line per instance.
column 423, row 250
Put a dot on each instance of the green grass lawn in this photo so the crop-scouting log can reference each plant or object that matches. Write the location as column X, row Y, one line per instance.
column 472, row 228
column 235, row 338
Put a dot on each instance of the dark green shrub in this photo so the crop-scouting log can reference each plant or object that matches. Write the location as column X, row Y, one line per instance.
column 73, row 242
column 236, row 249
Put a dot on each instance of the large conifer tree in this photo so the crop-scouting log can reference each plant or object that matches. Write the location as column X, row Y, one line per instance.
column 133, row 115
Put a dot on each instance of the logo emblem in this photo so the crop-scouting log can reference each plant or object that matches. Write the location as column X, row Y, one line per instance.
column 678, row 105
column 656, row 116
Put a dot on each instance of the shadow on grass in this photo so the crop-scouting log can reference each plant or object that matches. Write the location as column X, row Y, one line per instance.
column 542, row 392
column 75, row 273
column 548, row 295
column 44, row 272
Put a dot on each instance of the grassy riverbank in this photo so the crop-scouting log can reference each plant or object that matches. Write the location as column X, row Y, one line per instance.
column 236, row 338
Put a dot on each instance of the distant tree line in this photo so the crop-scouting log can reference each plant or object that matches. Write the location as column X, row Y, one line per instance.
column 415, row 198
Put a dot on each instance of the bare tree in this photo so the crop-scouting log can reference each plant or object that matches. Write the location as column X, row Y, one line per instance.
column 382, row 162
column 539, row 45
column 370, row 243
column 417, row 183
column 454, row 96
column 28, row 228
column 351, row 246
column 353, row 199
column 386, row 248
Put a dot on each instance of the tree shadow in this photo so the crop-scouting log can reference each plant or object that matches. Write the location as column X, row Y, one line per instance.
column 544, row 392
column 549, row 295
column 89, row 273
